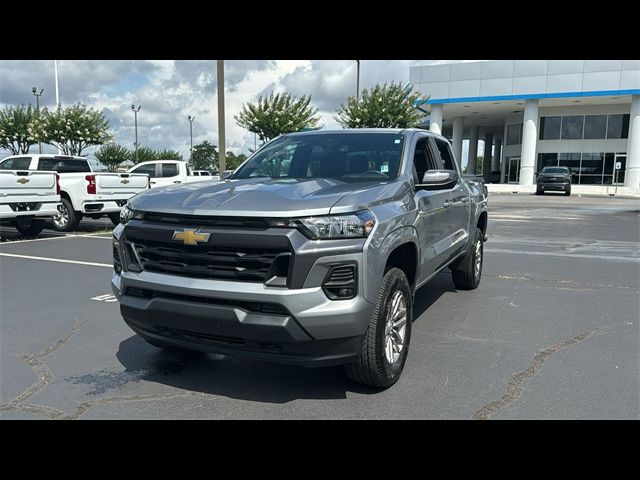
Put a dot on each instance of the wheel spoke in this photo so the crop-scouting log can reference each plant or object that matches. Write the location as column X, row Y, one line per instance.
column 399, row 323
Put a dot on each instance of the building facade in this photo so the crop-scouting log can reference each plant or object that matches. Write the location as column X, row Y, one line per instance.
column 583, row 114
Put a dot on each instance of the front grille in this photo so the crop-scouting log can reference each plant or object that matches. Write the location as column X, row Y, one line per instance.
column 246, row 264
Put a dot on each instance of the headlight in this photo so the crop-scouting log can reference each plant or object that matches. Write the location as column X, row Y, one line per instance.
column 127, row 214
column 356, row 225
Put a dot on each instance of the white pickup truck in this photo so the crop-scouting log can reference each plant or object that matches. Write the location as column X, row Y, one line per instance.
column 82, row 191
column 168, row 172
column 28, row 198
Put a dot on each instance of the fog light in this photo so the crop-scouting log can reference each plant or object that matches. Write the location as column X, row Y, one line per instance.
column 345, row 292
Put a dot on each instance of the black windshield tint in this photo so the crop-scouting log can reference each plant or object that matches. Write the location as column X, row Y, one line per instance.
column 357, row 157
column 555, row 170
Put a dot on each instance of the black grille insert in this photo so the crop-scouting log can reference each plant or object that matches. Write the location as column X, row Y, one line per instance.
column 257, row 307
column 248, row 264
column 191, row 220
column 340, row 282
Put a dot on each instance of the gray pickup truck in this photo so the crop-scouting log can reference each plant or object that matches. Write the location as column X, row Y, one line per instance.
column 310, row 253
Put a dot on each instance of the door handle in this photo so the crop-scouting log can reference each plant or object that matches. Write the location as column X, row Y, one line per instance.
column 152, row 183
column 447, row 203
column 177, row 181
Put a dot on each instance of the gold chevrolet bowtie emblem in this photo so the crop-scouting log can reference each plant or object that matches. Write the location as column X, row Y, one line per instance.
column 23, row 180
column 191, row 237
column 125, row 181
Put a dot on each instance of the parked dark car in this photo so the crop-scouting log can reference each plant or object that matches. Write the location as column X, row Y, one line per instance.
column 554, row 179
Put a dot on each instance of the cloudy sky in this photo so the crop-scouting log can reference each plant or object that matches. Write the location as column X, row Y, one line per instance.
column 169, row 91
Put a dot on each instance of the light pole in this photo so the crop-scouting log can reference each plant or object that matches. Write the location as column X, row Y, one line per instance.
column 191, row 119
column 34, row 90
column 358, row 82
column 135, row 116
column 222, row 164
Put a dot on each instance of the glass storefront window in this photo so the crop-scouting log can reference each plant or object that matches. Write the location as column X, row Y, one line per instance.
column 514, row 134
column 618, row 126
column 572, row 161
column 595, row 126
column 550, row 128
column 572, row 127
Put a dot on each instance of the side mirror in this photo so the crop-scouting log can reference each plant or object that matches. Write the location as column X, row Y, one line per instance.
column 438, row 180
column 225, row 174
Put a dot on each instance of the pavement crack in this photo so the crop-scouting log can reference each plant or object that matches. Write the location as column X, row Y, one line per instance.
column 42, row 372
column 515, row 386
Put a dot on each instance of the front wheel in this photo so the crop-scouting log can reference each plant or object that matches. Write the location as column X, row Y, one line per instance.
column 567, row 192
column 467, row 273
column 29, row 226
column 386, row 344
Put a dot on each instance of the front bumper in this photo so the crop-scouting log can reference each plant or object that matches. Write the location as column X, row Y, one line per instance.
column 45, row 209
column 224, row 317
column 554, row 186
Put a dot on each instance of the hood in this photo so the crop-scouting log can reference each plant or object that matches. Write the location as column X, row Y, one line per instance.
column 258, row 197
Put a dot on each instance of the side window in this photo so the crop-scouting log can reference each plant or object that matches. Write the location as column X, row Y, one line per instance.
column 196, row 174
column 423, row 159
column 149, row 169
column 49, row 164
column 169, row 169
column 7, row 164
column 446, row 155
column 21, row 163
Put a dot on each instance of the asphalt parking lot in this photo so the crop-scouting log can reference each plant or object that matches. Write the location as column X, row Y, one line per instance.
column 551, row 333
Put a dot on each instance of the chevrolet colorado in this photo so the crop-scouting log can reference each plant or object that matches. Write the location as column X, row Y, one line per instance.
column 310, row 253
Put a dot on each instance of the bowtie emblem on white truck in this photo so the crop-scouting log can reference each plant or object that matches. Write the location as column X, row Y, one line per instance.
column 23, row 180
column 125, row 181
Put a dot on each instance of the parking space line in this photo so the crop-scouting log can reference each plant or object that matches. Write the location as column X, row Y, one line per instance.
column 614, row 258
column 58, row 260
column 36, row 239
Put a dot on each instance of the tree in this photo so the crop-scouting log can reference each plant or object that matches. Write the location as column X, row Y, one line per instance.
column 71, row 129
column 112, row 155
column 144, row 154
column 479, row 161
column 233, row 161
column 14, row 128
column 277, row 114
column 386, row 106
column 168, row 155
column 204, row 156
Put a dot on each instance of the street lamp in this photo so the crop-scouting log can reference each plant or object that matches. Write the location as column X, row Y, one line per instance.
column 135, row 115
column 191, row 119
column 358, row 82
column 34, row 90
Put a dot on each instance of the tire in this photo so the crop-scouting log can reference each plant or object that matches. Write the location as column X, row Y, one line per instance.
column 29, row 226
column 114, row 217
column 468, row 272
column 68, row 219
column 567, row 193
column 539, row 192
column 377, row 364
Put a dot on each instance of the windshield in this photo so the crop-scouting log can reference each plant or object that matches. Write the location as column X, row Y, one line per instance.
column 555, row 170
column 354, row 157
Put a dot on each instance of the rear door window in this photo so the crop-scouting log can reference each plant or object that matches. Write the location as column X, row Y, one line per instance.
column 63, row 165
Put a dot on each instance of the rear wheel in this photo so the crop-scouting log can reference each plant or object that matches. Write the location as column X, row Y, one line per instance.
column 467, row 274
column 67, row 219
column 29, row 226
column 114, row 217
column 386, row 344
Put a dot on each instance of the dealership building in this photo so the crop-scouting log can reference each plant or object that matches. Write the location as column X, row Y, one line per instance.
column 582, row 114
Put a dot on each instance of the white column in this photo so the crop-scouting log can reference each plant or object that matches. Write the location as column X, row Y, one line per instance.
column 435, row 118
column 495, row 166
column 632, row 173
column 458, row 132
column 473, row 151
column 486, row 161
column 529, row 139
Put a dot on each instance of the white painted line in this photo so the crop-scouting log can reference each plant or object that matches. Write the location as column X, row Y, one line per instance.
column 569, row 255
column 96, row 236
column 109, row 297
column 36, row 240
column 58, row 260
